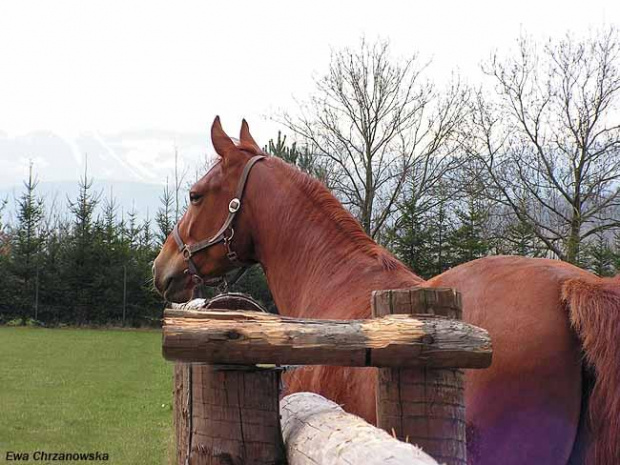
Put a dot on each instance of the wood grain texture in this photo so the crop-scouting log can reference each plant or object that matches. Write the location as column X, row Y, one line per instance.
column 181, row 409
column 424, row 405
column 235, row 418
column 248, row 338
column 317, row 431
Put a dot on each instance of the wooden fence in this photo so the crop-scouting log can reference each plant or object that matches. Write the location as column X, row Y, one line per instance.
column 227, row 382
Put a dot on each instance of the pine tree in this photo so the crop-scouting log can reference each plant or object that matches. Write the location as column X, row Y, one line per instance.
column 441, row 230
column 519, row 238
column 109, row 252
column 304, row 159
column 55, row 293
column 164, row 217
column 598, row 256
column 411, row 239
column 110, row 208
column 133, row 229
column 419, row 236
column 146, row 234
column 82, row 260
column 8, row 283
column 149, row 302
column 26, row 246
column 468, row 241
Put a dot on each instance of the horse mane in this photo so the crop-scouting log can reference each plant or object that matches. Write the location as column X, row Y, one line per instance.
column 346, row 223
column 594, row 307
column 332, row 209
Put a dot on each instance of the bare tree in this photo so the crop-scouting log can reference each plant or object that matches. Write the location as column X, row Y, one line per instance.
column 551, row 140
column 371, row 118
column 436, row 164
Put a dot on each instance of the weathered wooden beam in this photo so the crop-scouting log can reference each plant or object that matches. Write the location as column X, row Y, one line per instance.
column 317, row 431
column 424, row 404
column 248, row 338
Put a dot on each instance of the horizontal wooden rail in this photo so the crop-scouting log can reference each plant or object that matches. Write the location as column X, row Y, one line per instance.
column 317, row 431
column 248, row 338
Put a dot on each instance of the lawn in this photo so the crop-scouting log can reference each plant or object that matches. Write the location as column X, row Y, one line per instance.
column 78, row 390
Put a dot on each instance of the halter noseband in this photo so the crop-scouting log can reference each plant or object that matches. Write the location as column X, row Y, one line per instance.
column 189, row 250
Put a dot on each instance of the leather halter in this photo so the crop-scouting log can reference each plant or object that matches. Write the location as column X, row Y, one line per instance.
column 224, row 234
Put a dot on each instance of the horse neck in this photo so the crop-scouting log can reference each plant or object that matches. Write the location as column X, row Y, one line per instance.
column 317, row 263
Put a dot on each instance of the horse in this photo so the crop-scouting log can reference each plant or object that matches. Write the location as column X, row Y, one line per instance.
column 552, row 393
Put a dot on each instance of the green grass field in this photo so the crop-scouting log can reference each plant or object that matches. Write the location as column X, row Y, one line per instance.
column 78, row 390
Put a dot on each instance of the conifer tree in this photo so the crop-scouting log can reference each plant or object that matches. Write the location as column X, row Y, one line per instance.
column 26, row 246
column 616, row 253
column 164, row 217
column 55, row 293
column 304, row 159
column 411, row 239
column 442, row 228
column 519, row 238
column 468, row 241
column 81, row 256
column 7, row 278
column 598, row 256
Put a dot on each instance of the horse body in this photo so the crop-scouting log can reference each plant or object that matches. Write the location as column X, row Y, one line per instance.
column 319, row 263
column 321, row 266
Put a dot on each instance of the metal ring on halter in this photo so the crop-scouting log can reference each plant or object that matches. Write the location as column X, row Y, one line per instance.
column 234, row 205
column 232, row 234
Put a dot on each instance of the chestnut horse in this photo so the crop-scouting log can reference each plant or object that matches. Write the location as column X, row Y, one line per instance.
column 552, row 324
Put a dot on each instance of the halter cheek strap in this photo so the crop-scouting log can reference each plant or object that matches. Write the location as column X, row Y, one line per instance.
column 224, row 234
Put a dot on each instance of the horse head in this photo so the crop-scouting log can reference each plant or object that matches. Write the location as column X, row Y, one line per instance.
column 214, row 235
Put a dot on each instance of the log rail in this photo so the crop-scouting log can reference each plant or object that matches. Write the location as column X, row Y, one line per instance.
column 250, row 338
column 315, row 430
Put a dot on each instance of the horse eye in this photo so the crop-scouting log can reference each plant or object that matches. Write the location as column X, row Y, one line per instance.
column 194, row 197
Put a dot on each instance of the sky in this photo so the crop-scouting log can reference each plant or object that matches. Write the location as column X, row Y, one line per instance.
column 128, row 82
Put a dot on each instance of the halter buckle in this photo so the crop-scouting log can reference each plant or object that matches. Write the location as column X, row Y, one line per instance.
column 234, row 205
column 187, row 254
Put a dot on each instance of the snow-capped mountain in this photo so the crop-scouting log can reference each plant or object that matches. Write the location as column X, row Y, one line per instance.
column 132, row 167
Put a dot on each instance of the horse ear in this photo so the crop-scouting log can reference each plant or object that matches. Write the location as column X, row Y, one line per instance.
column 246, row 138
column 221, row 142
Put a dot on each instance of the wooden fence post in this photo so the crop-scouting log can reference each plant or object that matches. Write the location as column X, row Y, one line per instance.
column 424, row 406
column 227, row 415
column 230, row 416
